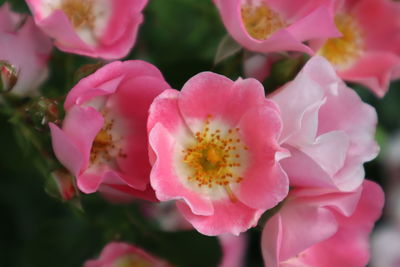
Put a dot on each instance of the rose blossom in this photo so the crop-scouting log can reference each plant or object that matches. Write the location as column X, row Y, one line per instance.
column 103, row 141
column 214, row 149
column 369, row 50
column 95, row 28
column 25, row 49
column 327, row 128
column 323, row 230
column 270, row 26
column 119, row 254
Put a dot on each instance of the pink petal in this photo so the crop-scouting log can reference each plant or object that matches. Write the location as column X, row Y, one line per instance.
column 107, row 79
column 204, row 94
column 228, row 217
column 353, row 231
column 83, row 136
column 373, row 70
column 264, row 184
column 311, row 176
column 122, row 193
column 66, row 150
column 318, row 24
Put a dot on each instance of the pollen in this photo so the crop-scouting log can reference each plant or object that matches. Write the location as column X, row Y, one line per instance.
column 79, row 12
column 342, row 51
column 261, row 21
column 105, row 146
column 214, row 157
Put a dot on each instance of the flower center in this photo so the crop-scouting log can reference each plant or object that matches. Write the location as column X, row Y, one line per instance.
column 261, row 21
column 215, row 158
column 105, row 148
column 342, row 51
column 132, row 260
column 79, row 12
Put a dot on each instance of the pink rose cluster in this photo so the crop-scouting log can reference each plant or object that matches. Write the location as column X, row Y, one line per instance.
column 226, row 154
column 361, row 49
column 221, row 151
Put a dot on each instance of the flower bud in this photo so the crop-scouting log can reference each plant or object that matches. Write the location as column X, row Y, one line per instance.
column 9, row 76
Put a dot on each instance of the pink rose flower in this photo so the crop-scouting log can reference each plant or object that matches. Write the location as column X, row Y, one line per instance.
column 271, row 26
column 94, row 28
column 215, row 150
column 325, row 230
column 327, row 128
column 26, row 49
column 103, row 141
column 369, row 50
column 119, row 254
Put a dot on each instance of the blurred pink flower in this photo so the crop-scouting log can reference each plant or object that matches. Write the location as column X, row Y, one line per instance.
column 271, row 26
column 385, row 245
column 214, row 149
column 323, row 230
column 327, row 128
column 233, row 250
column 95, row 28
column 24, row 47
column 103, row 141
column 369, row 50
column 119, row 254
column 166, row 215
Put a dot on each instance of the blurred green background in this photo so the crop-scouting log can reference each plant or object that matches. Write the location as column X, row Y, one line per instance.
column 180, row 37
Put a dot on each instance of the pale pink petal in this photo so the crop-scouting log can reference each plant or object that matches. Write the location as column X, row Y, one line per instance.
column 312, row 176
column 271, row 240
column 294, row 104
column 353, row 231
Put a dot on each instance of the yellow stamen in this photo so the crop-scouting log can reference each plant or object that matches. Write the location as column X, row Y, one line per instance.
column 79, row 12
column 213, row 159
column 261, row 21
column 344, row 50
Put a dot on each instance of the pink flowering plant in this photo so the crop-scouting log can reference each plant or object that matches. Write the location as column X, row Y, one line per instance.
column 224, row 133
